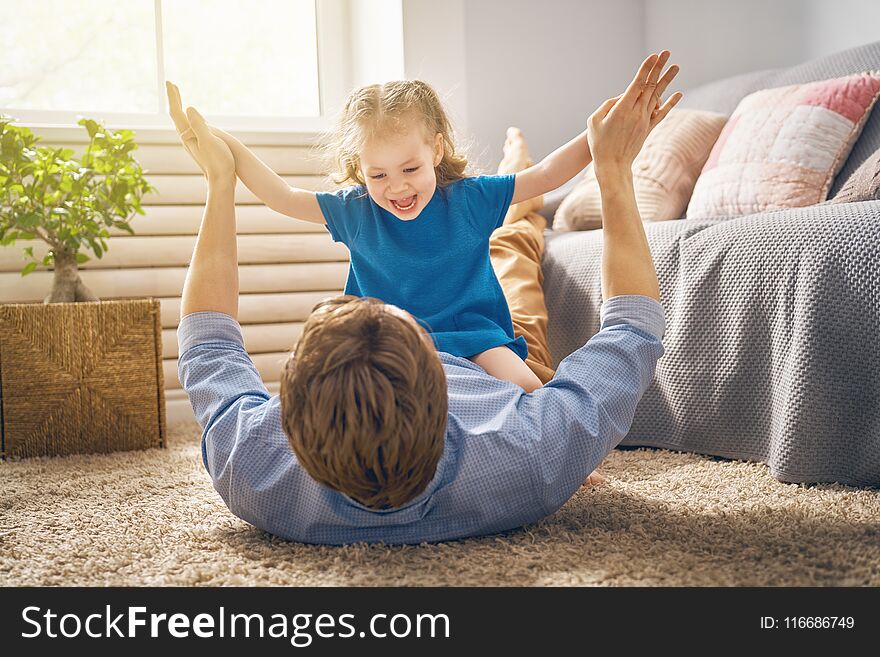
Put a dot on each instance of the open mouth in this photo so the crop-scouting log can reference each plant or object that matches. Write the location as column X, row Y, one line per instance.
column 405, row 204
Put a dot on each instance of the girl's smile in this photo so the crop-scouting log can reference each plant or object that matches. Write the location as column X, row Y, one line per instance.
column 406, row 205
column 399, row 170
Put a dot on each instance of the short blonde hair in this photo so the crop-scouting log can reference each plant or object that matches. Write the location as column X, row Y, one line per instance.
column 377, row 109
column 364, row 401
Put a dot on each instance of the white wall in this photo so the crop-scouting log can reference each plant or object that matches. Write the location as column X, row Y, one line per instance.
column 713, row 39
column 719, row 38
column 544, row 66
column 434, row 50
column 834, row 25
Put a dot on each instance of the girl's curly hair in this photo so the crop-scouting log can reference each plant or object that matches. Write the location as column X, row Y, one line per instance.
column 378, row 109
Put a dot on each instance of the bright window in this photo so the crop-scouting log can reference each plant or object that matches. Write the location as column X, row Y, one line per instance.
column 243, row 63
column 244, row 58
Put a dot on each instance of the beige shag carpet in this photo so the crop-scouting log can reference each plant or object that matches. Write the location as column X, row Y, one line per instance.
column 663, row 519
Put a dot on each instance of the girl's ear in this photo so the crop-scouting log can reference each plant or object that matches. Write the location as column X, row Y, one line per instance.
column 438, row 149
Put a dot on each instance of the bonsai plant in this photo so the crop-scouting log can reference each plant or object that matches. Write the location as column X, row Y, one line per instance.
column 46, row 193
column 76, row 377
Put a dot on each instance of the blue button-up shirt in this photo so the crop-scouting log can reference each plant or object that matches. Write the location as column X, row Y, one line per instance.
column 510, row 458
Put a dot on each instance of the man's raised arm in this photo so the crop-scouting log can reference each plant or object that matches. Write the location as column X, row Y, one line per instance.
column 577, row 418
column 616, row 132
column 212, row 278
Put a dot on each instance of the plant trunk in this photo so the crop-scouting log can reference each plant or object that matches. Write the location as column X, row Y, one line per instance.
column 67, row 286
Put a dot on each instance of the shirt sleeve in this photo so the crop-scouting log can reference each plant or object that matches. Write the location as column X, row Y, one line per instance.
column 579, row 416
column 244, row 447
column 221, row 381
column 489, row 198
column 343, row 211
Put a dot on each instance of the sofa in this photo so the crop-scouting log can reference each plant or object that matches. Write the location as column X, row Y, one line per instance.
column 772, row 344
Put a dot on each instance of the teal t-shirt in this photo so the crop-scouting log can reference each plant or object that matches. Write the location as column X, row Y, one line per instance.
column 436, row 266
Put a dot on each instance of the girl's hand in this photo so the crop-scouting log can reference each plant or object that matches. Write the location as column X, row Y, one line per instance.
column 210, row 152
column 617, row 130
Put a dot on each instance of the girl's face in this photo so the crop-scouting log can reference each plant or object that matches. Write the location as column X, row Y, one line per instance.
column 399, row 171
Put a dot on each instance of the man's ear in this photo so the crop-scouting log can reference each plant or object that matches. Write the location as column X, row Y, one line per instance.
column 438, row 149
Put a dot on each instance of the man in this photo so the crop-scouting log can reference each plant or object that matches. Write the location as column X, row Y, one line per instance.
column 377, row 437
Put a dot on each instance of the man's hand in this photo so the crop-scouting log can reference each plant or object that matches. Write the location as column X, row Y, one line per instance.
column 617, row 130
column 209, row 151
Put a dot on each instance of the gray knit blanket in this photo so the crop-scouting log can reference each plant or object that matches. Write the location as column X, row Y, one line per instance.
column 772, row 344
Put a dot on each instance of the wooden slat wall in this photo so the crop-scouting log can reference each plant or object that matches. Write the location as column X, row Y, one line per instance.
column 286, row 266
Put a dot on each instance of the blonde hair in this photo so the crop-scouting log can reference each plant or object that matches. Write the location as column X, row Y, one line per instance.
column 378, row 109
column 364, row 402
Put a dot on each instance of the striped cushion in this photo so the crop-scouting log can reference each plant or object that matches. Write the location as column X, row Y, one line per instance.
column 664, row 172
column 783, row 147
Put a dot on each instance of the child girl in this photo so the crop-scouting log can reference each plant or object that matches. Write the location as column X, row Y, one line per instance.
column 416, row 225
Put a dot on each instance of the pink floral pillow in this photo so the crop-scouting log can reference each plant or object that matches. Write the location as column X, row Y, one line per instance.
column 782, row 147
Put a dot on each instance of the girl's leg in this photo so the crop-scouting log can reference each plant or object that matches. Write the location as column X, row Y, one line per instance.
column 516, row 158
column 503, row 363
column 516, row 249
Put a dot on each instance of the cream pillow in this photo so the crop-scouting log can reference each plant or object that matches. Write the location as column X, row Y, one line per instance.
column 664, row 172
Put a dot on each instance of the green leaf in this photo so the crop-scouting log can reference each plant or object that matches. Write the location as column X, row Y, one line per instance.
column 91, row 126
column 30, row 251
column 28, row 268
column 81, row 258
column 29, row 220
column 48, row 188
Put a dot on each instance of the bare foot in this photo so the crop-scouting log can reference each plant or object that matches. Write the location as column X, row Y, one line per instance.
column 516, row 153
column 516, row 158
column 594, row 479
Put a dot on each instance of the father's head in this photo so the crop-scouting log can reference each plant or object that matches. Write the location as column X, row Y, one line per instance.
column 364, row 401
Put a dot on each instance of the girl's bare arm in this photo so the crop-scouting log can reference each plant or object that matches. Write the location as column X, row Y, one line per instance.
column 268, row 186
column 553, row 171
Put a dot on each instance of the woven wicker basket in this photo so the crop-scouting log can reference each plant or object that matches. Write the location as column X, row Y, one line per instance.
column 81, row 377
